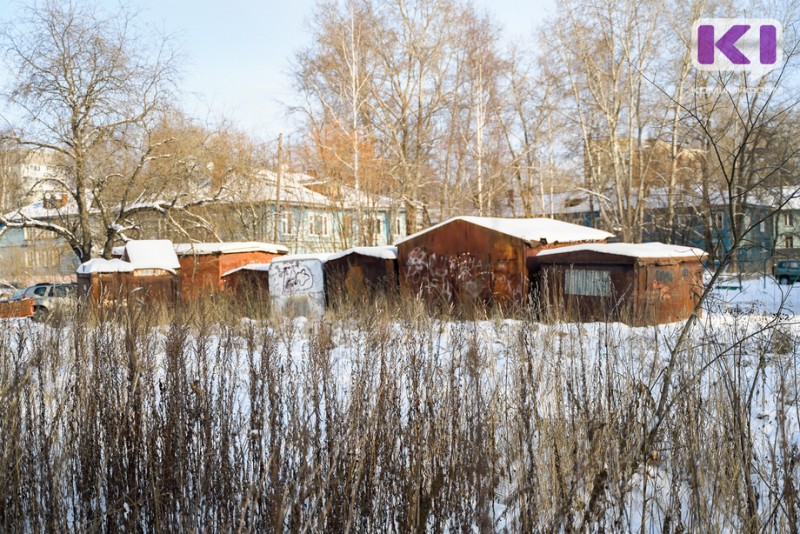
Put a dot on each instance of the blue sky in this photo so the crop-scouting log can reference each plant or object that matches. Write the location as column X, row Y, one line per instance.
column 238, row 52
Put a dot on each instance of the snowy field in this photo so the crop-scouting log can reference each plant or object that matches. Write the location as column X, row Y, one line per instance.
column 371, row 422
column 760, row 295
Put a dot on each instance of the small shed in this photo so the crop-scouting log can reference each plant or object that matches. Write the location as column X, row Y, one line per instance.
column 482, row 258
column 640, row 284
column 248, row 279
column 112, row 282
column 359, row 272
column 297, row 284
column 203, row 265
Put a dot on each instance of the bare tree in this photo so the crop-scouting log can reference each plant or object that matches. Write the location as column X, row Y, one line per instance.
column 599, row 53
column 90, row 87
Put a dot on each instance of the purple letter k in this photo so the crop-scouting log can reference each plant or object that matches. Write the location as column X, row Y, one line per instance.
column 726, row 44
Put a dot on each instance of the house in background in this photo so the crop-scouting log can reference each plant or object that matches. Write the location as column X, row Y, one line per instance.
column 30, row 255
column 264, row 208
column 699, row 222
column 786, row 223
column 268, row 207
column 29, row 175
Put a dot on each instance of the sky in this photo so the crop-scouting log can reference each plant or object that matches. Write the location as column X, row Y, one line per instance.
column 238, row 52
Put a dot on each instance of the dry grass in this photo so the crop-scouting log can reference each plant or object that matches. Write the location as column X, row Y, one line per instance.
column 387, row 418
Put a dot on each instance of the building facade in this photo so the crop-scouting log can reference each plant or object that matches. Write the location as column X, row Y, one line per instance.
column 265, row 207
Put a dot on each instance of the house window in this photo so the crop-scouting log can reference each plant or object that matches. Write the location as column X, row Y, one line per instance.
column 34, row 234
column 762, row 226
column 718, row 219
column 287, row 223
column 318, row 224
column 588, row 283
column 397, row 226
column 788, row 241
column 787, row 218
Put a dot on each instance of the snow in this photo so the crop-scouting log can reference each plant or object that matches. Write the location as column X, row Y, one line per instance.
column 632, row 250
column 152, row 254
column 321, row 257
column 184, row 249
column 577, row 371
column 263, row 187
column 760, row 295
column 37, row 210
column 102, row 265
column 536, row 230
column 352, row 198
column 384, row 253
column 263, row 267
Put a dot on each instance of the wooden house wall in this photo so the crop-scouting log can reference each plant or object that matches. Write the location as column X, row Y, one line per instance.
column 247, row 283
column 11, row 309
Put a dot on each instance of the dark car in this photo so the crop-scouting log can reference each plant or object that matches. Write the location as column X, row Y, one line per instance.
column 786, row 271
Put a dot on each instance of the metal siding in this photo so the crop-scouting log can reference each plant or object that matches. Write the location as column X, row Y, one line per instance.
column 462, row 262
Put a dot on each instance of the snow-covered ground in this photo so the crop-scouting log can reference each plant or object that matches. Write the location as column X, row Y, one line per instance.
column 749, row 294
column 509, row 410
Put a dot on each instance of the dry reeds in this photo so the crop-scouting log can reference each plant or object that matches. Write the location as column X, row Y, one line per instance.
column 382, row 418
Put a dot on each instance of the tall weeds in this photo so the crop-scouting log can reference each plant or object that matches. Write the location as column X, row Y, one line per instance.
column 385, row 418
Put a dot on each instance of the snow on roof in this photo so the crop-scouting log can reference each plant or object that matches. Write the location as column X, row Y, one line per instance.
column 102, row 265
column 152, row 254
column 263, row 188
column 262, row 267
column 322, row 257
column 37, row 210
column 385, row 253
column 787, row 197
column 632, row 250
column 546, row 231
column 184, row 249
column 352, row 198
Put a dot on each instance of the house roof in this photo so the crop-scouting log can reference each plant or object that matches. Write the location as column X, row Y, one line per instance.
column 632, row 250
column 537, row 230
column 201, row 249
column 37, row 210
column 262, row 187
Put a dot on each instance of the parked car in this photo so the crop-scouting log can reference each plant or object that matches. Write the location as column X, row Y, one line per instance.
column 49, row 297
column 786, row 271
